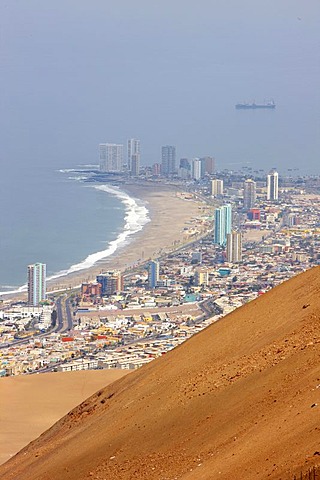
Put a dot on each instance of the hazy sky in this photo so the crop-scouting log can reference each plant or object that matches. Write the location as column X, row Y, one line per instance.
column 75, row 73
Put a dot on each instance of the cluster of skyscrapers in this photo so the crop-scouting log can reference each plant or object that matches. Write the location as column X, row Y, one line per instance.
column 250, row 189
column 195, row 168
column 224, row 235
column 111, row 282
column 111, row 160
column 111, row 157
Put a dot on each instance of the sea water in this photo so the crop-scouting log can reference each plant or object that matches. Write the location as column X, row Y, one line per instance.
column 57, row 218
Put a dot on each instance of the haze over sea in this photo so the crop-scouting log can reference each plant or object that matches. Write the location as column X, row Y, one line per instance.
column 77, row 73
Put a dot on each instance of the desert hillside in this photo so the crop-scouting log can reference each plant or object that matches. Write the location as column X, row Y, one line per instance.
column 30, row 404
column 240, row 400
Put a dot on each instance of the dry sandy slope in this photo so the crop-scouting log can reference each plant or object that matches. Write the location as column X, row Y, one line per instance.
column 240, row 400
column 30, row 404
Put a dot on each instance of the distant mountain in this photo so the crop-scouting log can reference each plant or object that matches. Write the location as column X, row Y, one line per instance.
column 240, row 400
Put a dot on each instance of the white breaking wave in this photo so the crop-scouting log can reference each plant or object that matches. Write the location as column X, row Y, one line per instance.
column 78, row 179
column 21, row 289
column 90, row 165
column 136, row 216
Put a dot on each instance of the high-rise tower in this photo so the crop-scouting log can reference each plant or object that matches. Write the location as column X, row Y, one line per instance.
column 234, row 247
column 111, row 157
column 153, row 274
column 249, row 194
column 222, row 224
column 209, row 164
column 133, row 152
column 135, row 165
column 272, row 185
column 36, row 283
column 216, row 187
column 196, row 168
column 168, row 160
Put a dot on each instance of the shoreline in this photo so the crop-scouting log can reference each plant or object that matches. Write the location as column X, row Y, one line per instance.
column 135, row 217
column 166, row 216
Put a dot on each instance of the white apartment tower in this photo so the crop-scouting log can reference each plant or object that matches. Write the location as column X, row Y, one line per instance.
column 36, row 283
column 133, row 153
column 216, row 187
column 196, row 168
column 110, row 157
column 272, row 185
column 234, row 247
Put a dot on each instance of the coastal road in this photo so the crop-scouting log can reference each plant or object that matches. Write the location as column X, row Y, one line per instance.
column 64, row 323
column 64, row 315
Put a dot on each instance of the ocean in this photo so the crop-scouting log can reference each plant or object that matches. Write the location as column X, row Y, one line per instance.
column 59, row 220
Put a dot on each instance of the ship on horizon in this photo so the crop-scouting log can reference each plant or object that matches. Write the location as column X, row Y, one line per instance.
column 253, row 105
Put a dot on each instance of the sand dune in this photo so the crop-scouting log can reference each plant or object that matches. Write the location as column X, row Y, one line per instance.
column 30, row 404
column 240, row 400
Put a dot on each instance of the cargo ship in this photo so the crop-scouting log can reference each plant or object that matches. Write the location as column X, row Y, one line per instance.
column 255, row 105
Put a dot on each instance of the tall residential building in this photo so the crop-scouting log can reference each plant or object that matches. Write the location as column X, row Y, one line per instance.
column 133, row 150
column 111, row 282
column 272, row 185
column 153, row 274
column 168, row 160
column 111, row 157
column 234, row 247
column 196, row 168
column 216, row 187
column 222, row 224
column 135, row 165
column 209, row 164
column 36, row 283
column 249, row 194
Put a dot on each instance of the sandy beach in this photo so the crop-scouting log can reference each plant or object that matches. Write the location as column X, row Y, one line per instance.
column 169, row 214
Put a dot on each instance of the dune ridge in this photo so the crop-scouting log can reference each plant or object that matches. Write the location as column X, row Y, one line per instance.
column 238, row 400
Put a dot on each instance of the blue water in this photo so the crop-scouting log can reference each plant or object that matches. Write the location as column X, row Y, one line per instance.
column 62, row 221
column 50, row 218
